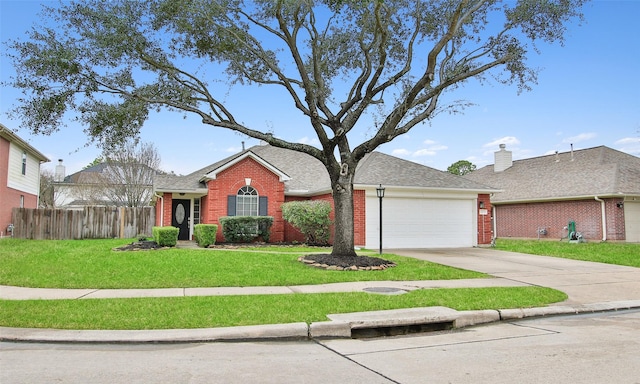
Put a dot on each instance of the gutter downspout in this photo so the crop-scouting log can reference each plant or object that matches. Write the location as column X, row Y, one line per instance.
column 604, row 218
column 161, row 208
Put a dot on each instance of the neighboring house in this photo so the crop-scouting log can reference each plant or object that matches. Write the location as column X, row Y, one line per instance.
column 19, row 176
column 422, row 207
column 597, row 188
column 102, row 184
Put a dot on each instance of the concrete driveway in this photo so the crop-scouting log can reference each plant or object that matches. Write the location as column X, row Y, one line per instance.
column 584, row 282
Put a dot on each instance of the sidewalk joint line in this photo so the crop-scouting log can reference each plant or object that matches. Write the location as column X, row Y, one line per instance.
column 87, row 294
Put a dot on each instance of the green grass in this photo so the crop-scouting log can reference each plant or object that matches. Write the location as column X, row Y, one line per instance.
column 603, row 252
column 224, row 311
column 93, row 264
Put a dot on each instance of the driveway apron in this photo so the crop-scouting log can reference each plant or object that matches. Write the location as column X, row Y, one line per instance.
column 584, row 282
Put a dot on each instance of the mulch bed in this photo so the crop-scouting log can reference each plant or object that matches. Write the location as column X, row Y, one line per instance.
column 347, row 263
column 325, row 260
column 139, row 246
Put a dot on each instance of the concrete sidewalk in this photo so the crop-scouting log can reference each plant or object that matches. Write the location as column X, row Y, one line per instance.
column 21, row 293
column 591, row 287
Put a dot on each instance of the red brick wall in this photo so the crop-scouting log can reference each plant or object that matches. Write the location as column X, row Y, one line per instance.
column 359, row 219
column 615, row 220
column 485, row 228
column 10, row 198
column 229, row 181
column 163, row 210
column 523, row 220
column 291, row 234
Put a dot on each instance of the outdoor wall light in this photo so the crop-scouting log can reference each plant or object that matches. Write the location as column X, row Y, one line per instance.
column 620, row 204
column 481, row 205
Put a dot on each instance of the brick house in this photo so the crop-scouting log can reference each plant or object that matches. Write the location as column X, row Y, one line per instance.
column 422, row 207
column 19, row 176
column 597, row 188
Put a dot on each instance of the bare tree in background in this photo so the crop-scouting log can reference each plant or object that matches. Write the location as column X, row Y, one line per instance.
column 47, row 195
column 127, row 176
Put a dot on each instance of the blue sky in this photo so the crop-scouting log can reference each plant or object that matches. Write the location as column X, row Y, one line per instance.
column 588, row 94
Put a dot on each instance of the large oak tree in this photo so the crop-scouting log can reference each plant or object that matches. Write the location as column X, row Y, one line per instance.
column 113, row 62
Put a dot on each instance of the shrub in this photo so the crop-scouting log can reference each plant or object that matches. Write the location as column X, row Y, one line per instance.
column 311, row 218
column 205, row 234
column 244, row 229
column 166, row 236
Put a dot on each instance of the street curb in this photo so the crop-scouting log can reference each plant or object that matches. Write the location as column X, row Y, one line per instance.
column 291, row 331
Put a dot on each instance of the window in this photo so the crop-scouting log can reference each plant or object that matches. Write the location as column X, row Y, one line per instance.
column 24, row 163
column 247, row 201
column 196, row 211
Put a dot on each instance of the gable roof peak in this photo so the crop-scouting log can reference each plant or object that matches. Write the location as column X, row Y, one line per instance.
column 249, row 153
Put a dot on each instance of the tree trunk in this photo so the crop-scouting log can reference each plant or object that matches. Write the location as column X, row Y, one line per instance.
column 343, row 238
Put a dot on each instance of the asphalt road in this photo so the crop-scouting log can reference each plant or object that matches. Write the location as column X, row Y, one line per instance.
column 596, row 348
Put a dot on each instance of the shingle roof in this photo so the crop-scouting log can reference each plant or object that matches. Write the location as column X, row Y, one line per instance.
column 10, row 136
column 378, row 167
column 90, row 174
column 308, row 175
column 599, row 171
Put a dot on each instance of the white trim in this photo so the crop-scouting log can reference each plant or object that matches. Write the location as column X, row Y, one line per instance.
column 563, row 198
column 473, row 192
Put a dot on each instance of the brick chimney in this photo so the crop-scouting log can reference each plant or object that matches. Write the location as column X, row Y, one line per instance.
column 503, row 159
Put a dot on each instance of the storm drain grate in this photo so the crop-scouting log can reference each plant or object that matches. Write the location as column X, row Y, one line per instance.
column 385, row 290
column 398, row 330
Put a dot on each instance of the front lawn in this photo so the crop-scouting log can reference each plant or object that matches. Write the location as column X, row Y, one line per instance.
column 93, row 264
column 603, row 252
column 225, row 311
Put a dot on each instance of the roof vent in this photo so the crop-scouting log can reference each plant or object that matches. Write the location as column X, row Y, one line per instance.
column 571, row 151
column 503, row 159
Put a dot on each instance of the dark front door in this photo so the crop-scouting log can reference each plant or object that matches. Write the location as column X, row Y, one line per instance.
column 181, row 217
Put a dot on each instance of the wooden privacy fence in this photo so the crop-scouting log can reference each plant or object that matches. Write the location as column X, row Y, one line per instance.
column 87, row 223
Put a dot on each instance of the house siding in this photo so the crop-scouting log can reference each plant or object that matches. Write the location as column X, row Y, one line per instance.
column 13, row 184
column 523, row 220
column 30, row 181
column 229, row 181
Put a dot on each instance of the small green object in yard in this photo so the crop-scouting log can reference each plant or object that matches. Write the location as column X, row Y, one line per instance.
column 573, row 235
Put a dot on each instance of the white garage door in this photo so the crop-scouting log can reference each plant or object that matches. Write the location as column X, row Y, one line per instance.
column 420, row 223
column 631, row 221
